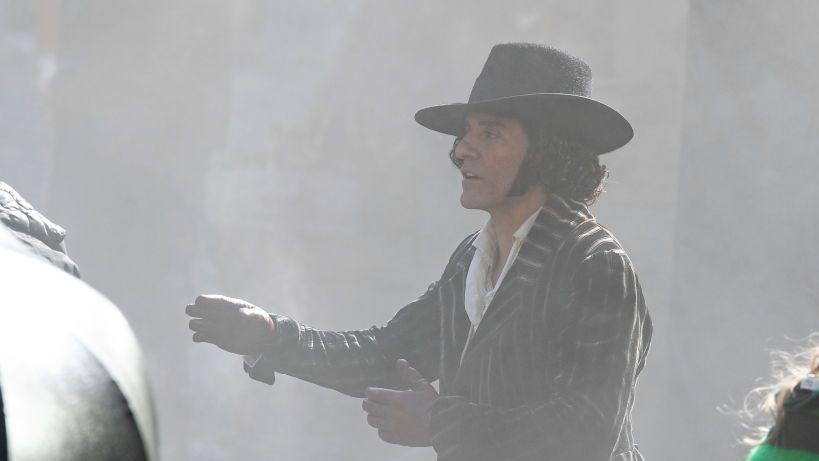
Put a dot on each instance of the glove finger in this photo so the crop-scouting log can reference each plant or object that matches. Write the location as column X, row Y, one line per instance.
column 200, row 324
column 205, row 300
column 376, row 422
column 214, row 306
column 388, row 436
column 200, row 337
column 205, row 311
column 380, row 395
column 411, row 376
column 376, row 409
column 193, row 310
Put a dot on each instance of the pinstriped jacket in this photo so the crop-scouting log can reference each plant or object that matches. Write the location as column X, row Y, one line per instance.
column 548, row 375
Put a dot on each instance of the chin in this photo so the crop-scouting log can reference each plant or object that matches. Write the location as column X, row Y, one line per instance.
column 472, row 203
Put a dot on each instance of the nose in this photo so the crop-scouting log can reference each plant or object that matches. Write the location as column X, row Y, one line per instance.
column 465, row 149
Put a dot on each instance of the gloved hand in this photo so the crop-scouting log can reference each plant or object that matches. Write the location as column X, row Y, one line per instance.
column 232, row 324
column 402, row 417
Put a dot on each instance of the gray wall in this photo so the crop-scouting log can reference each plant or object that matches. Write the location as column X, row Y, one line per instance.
column 266, row 150
column 746, row 254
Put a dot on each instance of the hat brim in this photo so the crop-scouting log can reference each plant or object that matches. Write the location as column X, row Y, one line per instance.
column 578, row 118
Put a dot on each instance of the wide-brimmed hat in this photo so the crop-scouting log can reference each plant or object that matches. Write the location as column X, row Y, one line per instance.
column 536, row 83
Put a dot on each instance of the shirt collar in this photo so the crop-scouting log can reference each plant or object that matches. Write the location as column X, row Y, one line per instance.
column 524, row 228
column 487, row 243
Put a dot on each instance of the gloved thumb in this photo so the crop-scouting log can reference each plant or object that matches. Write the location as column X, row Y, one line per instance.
column 411, row 376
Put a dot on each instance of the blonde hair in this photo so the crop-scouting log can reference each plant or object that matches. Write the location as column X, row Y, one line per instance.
column 765, row 402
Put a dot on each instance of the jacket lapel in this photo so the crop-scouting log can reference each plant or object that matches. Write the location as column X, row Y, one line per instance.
column 454, row 322
column 531, row 268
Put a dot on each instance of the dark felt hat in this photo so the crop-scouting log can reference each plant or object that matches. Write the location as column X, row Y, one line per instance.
column 537, row 83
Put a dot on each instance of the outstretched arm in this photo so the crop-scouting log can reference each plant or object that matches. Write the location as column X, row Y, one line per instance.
column 348, row 361
column 351, row 361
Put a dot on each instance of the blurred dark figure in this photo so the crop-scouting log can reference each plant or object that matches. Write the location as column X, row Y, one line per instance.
column 3, row 451
column 71, row 374
column 72, row 385
column 43, row 237
column 793, row 403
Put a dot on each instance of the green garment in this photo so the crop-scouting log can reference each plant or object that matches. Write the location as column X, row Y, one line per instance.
column 771, row 453
column 796, row 436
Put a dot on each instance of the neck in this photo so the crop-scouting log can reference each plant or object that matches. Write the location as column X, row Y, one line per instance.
column 508, row 217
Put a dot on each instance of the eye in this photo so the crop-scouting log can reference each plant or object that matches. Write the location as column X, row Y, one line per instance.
column 489, row 134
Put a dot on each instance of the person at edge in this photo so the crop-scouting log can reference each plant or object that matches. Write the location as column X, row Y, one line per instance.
column 793, row 403
column 537, row 329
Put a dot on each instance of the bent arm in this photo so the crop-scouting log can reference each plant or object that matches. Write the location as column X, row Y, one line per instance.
column 601, row 337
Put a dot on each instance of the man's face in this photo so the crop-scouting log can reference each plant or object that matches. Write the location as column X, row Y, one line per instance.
column 491, row 149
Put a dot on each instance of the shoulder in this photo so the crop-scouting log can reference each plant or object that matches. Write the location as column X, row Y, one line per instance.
column 591, row 243
column 43, row 237
column 20, row 216
column 570, row 229
column 595, row 262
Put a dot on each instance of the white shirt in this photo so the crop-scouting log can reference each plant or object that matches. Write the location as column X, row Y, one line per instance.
column 479, row 290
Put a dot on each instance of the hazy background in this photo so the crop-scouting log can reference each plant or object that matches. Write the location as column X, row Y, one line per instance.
column 267, row 150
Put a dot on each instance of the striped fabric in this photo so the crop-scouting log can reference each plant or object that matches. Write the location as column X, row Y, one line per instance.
column 548, row 375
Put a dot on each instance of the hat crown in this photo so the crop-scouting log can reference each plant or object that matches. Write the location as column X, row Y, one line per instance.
column 514, row 69
column 541, row 84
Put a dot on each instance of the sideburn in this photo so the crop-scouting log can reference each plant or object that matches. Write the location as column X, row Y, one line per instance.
column 527, row 176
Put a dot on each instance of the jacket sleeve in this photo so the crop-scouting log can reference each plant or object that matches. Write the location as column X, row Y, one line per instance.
column 351, row 361
column 597, row 337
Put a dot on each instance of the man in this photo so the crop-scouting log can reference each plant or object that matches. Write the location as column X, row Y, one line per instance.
column 537, row 328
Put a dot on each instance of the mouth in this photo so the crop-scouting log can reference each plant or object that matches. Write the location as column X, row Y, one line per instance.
column 469, row 175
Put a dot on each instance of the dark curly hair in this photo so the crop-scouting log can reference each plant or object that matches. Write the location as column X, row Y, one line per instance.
column 564, row 167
